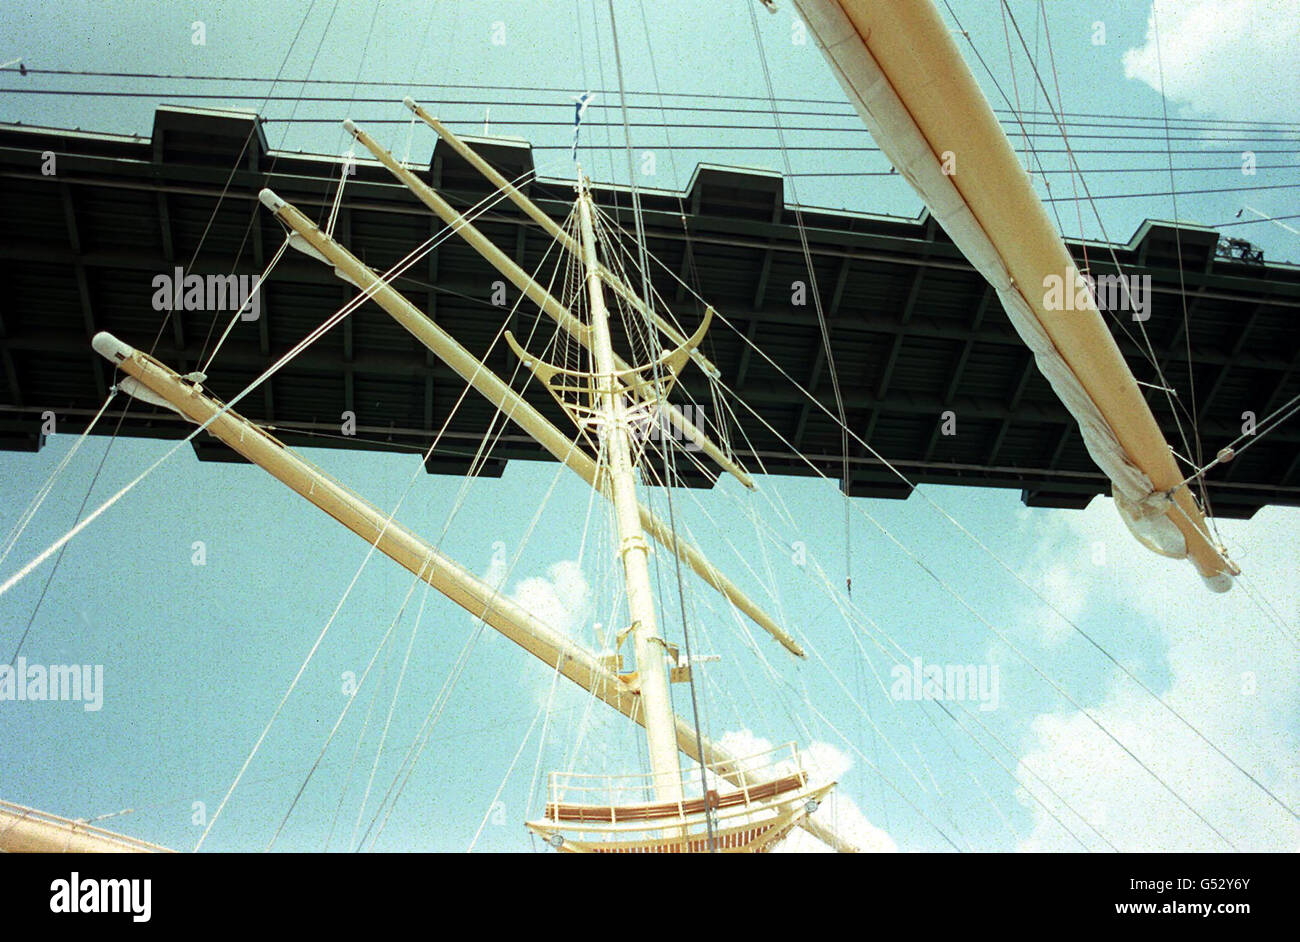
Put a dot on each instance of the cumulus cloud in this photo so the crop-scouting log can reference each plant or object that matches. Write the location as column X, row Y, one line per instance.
column 1228, row 58
column 561, row 598
column 1059, row 580
column 825, row 763
column 1231, row 674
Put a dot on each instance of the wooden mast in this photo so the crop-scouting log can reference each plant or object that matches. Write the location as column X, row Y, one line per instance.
column 616, row 441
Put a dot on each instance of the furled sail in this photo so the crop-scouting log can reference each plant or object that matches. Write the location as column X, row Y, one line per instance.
column 907, row 80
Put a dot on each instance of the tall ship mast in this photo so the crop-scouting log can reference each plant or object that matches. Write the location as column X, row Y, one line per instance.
column 617, row 357
column 745, row 803
column 749, row 816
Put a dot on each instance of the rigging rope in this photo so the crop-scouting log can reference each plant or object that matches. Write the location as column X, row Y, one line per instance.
column 239, row 161
column 479, row 460
column 162, row 326
column 35, row 504
column 423, row 735
column 49, row 579
column 509, row 771
column 703, row 96
column 817, row 304
column 356, row 753
column 668, row 472
column 383, row 645
column 257, row 286
column 392, row 705
column 1164, row 382
column 1017, row 577
column 541, row 742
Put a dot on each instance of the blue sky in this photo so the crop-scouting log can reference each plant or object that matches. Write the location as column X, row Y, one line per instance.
column 197, row 657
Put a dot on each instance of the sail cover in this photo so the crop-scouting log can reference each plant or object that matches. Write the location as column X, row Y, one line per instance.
column 906, row 78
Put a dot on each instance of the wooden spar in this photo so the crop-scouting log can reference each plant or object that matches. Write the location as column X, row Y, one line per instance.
column 616, row 442
column 529, row 286
column 405, row 548
column 514, row 406
column 903, row 74
column 28, row 831
column 534, row 212
column 371, row 524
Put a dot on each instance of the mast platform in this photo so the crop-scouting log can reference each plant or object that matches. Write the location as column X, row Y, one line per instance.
column 771, row 795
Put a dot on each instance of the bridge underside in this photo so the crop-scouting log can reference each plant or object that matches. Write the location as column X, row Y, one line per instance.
column 916, row 332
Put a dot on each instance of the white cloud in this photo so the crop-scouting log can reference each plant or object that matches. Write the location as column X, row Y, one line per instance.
column 1230, row 58
column 1231, row 676
column 561, row 598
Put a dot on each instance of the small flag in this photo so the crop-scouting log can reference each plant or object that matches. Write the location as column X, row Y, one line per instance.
column 579, row 109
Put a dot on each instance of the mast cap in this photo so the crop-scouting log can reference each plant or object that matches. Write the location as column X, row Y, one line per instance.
column 270, row 200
